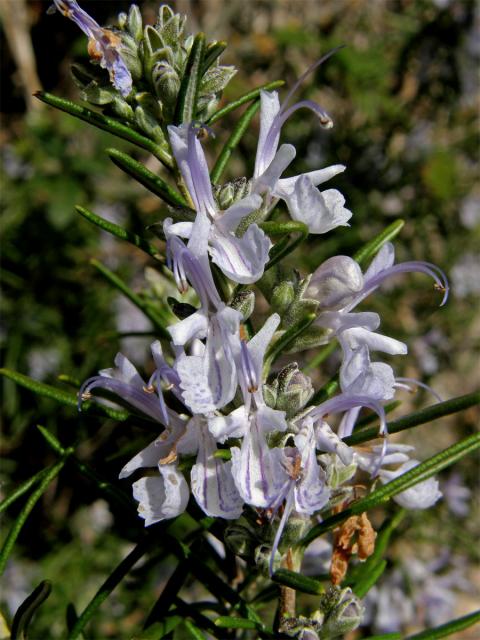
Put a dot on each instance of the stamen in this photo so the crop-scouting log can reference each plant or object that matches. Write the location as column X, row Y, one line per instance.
column 149, row 389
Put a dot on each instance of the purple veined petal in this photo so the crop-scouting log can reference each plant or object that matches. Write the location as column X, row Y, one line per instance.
column 269, row 109
column 234, row 425
column 248, row 369
column 200, row 174
column 127, row 372
column 103, row 44
column 181, row 229
column 384, row 259
column 161, row 498
column 190, row 263
column 283, row 521
column 212, row 481
column 339, row 321
column 143, row 400
column 311, row 492
column 242, row 259
column 357, row 336
column 155, row 451
column 330, row 442
column 194, row 326
column 344, row 402
column 106, row 47
column 268, row 180
column 320, row 211
column 191, row 161
column 420, row 496
column 71, row 9
column 232, row 216
column 257, row 470
column 257, row 345
column 345, row 428
column 371, row 461
column 334, row 282
column 285, row 186
column 209, row 382
column 403, row 383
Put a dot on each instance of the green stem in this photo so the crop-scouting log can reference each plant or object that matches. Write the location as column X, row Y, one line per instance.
column 372, row 247
column 417, row 418
column 109, row 585
column 233, row 141
column 22, row 518
column 23, row 488
column 107, row 124
column 147, row 178
column 444, row 630
column 151, row 314
column 418, row 474
column 251, row 95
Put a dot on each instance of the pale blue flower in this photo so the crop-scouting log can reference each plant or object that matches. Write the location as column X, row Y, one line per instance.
column 242, row 259
column 161, row 497
column 420, row 496
column 103, row 44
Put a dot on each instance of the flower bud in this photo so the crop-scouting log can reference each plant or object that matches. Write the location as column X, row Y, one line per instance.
column 241, row 540
column 283, row 295
column 343, row 612
column 244, row 301
column 294, row 390
column 335, row 282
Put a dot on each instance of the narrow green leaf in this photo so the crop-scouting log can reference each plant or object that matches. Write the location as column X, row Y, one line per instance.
column 23, row 488
column 168, row 595
column 119, row 284
column 233, row 140
column 27, row 610
column 321, row 356
column 368, row 580
column 52, row 472
column 63, row 397
column 422, row 472
column 185, row 110
column 282, row 344
column 102, row 485
column 71, row 616
column 107, row 124
column 372, row 247
column 418, row 417
column 194, row 631
column 298, row 582
column 160, row 629
column 251, row 95
column 52, row 440
column 386, row 636
column 110, row 583
column 120, row 232
column 212, row 52
column 147, row 178
column 284, row 247
column 228, row 622
column 444, row 630
column 325, row 392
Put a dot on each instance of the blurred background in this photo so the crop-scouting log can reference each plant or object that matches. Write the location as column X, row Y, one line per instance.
column 404, row 96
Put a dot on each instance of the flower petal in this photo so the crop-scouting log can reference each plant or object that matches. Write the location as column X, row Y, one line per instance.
column 242, row 259
column 212, row 481
column 161, row 498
